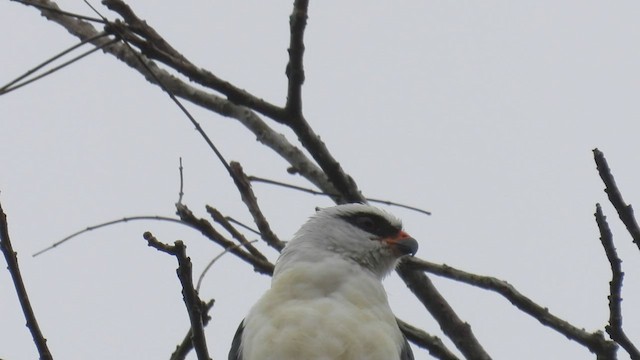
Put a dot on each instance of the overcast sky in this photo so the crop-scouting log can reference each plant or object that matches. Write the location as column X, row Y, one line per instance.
column 483, row 112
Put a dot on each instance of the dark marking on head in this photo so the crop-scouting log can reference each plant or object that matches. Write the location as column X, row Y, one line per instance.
column 373, row 224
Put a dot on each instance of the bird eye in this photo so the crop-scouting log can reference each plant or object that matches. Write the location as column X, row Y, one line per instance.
column 366, row 223
column 373, row 224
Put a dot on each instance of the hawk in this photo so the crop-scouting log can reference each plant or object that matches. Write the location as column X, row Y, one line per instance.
column 326, row 300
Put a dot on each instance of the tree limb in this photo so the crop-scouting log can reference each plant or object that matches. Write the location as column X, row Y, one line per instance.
column 595, row 342
column 264, row 134
column 433, row 344
column 292, row 116
column 614, row 329
column 186, row 345
column 222, row 220
column 259, row 265
column 12, row 265
column 154, row 46
column 295, row 69
column 195, row 306
column 328, row 176
column 249, row 198
column 457, row 330
column 625, row 212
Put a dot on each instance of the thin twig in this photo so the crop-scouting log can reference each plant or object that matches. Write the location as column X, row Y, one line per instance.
column 121, row 31
column 181, row 193
column 195, row 306
column 249, row 198
column 204, row 226
column 56, row 10
column 392, row 203
column 213, row 261
column 194, row 122
column 14, row 86
column 12, row 265
column 315, row 192
column 595, row 342
column 625, row 212
column 614, row 329
column 108, row 223
column 232, row 220
column 222, row 220
column 52, row 59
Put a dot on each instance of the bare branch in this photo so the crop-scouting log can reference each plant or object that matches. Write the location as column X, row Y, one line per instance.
column 259, row 265
column 457, row 330
column 294, row 118
column 184, row 110
column 186, row 345
column 595, row 342
column 222, row 220
column 210, row 264
column 195, row 306
column 433, row 344
column 249, row 198
column 392, row 203
column 181, row 192
column 625, row 212
column 10, row 86
column 53, row 8
column 166, row 54
column 108, row 223
column 265, row 134
column 343, row 183
column 314, row 192
column 295, row 69
column 12, row 265
column 157, row 48
column 614, row 329
column 230, row 219
column 328, row 176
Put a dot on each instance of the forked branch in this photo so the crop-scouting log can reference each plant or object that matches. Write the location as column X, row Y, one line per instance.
column 196, row 308
column 614, row 328
column 625, row 212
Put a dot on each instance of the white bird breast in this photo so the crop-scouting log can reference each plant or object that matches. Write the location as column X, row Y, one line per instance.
column 330, row 309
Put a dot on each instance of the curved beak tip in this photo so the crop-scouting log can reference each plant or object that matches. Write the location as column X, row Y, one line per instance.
column 407, row 246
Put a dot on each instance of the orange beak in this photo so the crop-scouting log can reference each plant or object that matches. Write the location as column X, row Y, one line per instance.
column 402, row 244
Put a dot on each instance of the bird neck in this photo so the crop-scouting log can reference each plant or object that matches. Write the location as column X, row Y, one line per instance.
column 328, row 277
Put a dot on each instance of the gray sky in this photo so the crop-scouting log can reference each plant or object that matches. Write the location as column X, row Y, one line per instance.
column 483, row 112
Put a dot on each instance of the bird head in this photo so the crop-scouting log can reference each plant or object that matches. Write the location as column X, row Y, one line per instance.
column 360, row 233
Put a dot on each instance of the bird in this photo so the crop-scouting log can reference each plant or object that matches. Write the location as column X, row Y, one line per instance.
column 326, row 300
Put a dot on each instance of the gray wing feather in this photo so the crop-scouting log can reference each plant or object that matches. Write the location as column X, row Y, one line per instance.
column 236, row 350
column 406, row 353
